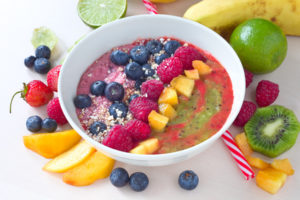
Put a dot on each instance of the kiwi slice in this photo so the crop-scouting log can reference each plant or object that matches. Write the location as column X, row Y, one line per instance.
column 272, row 130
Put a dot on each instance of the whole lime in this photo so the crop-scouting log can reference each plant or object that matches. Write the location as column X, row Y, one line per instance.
column 260, row 44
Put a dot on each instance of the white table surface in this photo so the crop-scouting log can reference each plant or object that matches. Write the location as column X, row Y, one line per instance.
column 21, row 174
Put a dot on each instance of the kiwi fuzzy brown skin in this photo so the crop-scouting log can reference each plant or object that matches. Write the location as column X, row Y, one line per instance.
column 272, row 130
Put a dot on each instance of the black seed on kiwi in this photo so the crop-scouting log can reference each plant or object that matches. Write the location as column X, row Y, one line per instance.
column 272, row 130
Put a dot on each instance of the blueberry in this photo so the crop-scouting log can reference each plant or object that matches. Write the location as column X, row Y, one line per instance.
column 97, row 127
column 82, row 101
column 188, row 180
column 42, row 65
column 34, row 123
column 148, row 71
column 119, row 177
column 29, row 61
column 132, row 97
column 97, row 88
column 139, row 54
column 118, row 110
column 160, row 58
column 42, row 51
column 114, row 91
column 119, row 57
column 49, row 125
column 138, row 181
column 171, row 46
column 134, row 71
column 154, row 46
column 138, row 83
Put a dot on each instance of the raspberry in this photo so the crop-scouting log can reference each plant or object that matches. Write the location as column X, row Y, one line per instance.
column 52, row 78
column 187, row 54
column 169, row 69
column 266, row 93
column 246, row 112
column 138, row 129
column 249, row 77
column 152, row 88
column 118, row 139
column 141, row 107
column 55, row 112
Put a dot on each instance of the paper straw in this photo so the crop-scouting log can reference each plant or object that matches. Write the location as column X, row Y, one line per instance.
column 150, row 7
column 238, row 155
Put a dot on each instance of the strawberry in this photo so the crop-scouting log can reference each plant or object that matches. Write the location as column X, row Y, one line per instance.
column 52, row 78
column 35, row 93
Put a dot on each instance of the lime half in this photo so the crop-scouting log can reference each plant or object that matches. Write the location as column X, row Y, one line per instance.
column 98, row 12
column 44, row 36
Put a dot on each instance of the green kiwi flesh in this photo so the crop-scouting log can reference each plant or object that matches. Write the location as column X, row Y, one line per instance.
column 272, row 130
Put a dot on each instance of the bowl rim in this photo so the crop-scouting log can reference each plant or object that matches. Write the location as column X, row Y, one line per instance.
column 149, row 157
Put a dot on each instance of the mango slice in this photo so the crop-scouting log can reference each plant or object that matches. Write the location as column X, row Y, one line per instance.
column 242, row 142
column 148, row 146
column 139, row 149
column 168, row 95
column 283, row 165
column 96, row 166
column 50, row 145
column 270, row 180
column 157, row 121
column 203, row 68
column 257, row 162
column 70, row 158
column 167, row 110
column 192, row 74
column 183, row 85
column 151, row 145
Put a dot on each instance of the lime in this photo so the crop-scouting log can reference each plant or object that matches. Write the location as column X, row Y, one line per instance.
column 98, row 12
column 260, row 44
column 44, row 36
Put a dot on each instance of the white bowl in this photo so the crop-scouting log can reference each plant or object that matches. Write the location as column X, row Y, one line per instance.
column 125, row 31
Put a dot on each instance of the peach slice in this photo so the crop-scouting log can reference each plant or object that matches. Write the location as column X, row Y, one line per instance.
column 168, row 95
column 70, row 158
column 192, row 74
column 257, row 162
column 283, row 165
column 157, row 121
column 50, row 145
column 183, row 85
column 167, row 110
column 203, row 68
column 242, row 142
column 270, row 180
column 96, row 166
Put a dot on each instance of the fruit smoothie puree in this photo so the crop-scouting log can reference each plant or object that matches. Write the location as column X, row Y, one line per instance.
column 198, row 117
column 203, row 114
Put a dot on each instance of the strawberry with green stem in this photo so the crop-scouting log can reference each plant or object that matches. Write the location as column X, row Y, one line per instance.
column 35, row 93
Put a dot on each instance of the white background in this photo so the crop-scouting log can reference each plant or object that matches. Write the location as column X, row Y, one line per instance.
column 21, row 174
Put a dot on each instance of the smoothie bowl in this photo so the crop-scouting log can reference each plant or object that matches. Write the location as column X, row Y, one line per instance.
column 161, row 79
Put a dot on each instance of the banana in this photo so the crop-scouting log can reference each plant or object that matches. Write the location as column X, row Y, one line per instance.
column 224, row 15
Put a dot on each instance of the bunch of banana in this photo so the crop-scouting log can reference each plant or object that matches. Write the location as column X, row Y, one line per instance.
column 224, row 15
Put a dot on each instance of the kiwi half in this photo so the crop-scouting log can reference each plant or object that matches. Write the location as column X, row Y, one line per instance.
column 272, row 130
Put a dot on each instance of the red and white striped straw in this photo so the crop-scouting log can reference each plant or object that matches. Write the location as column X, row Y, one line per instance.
column 227, row 137
column 150, row 7
column 238, row 155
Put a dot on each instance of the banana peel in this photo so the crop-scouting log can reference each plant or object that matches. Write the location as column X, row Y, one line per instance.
column 224, row 15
